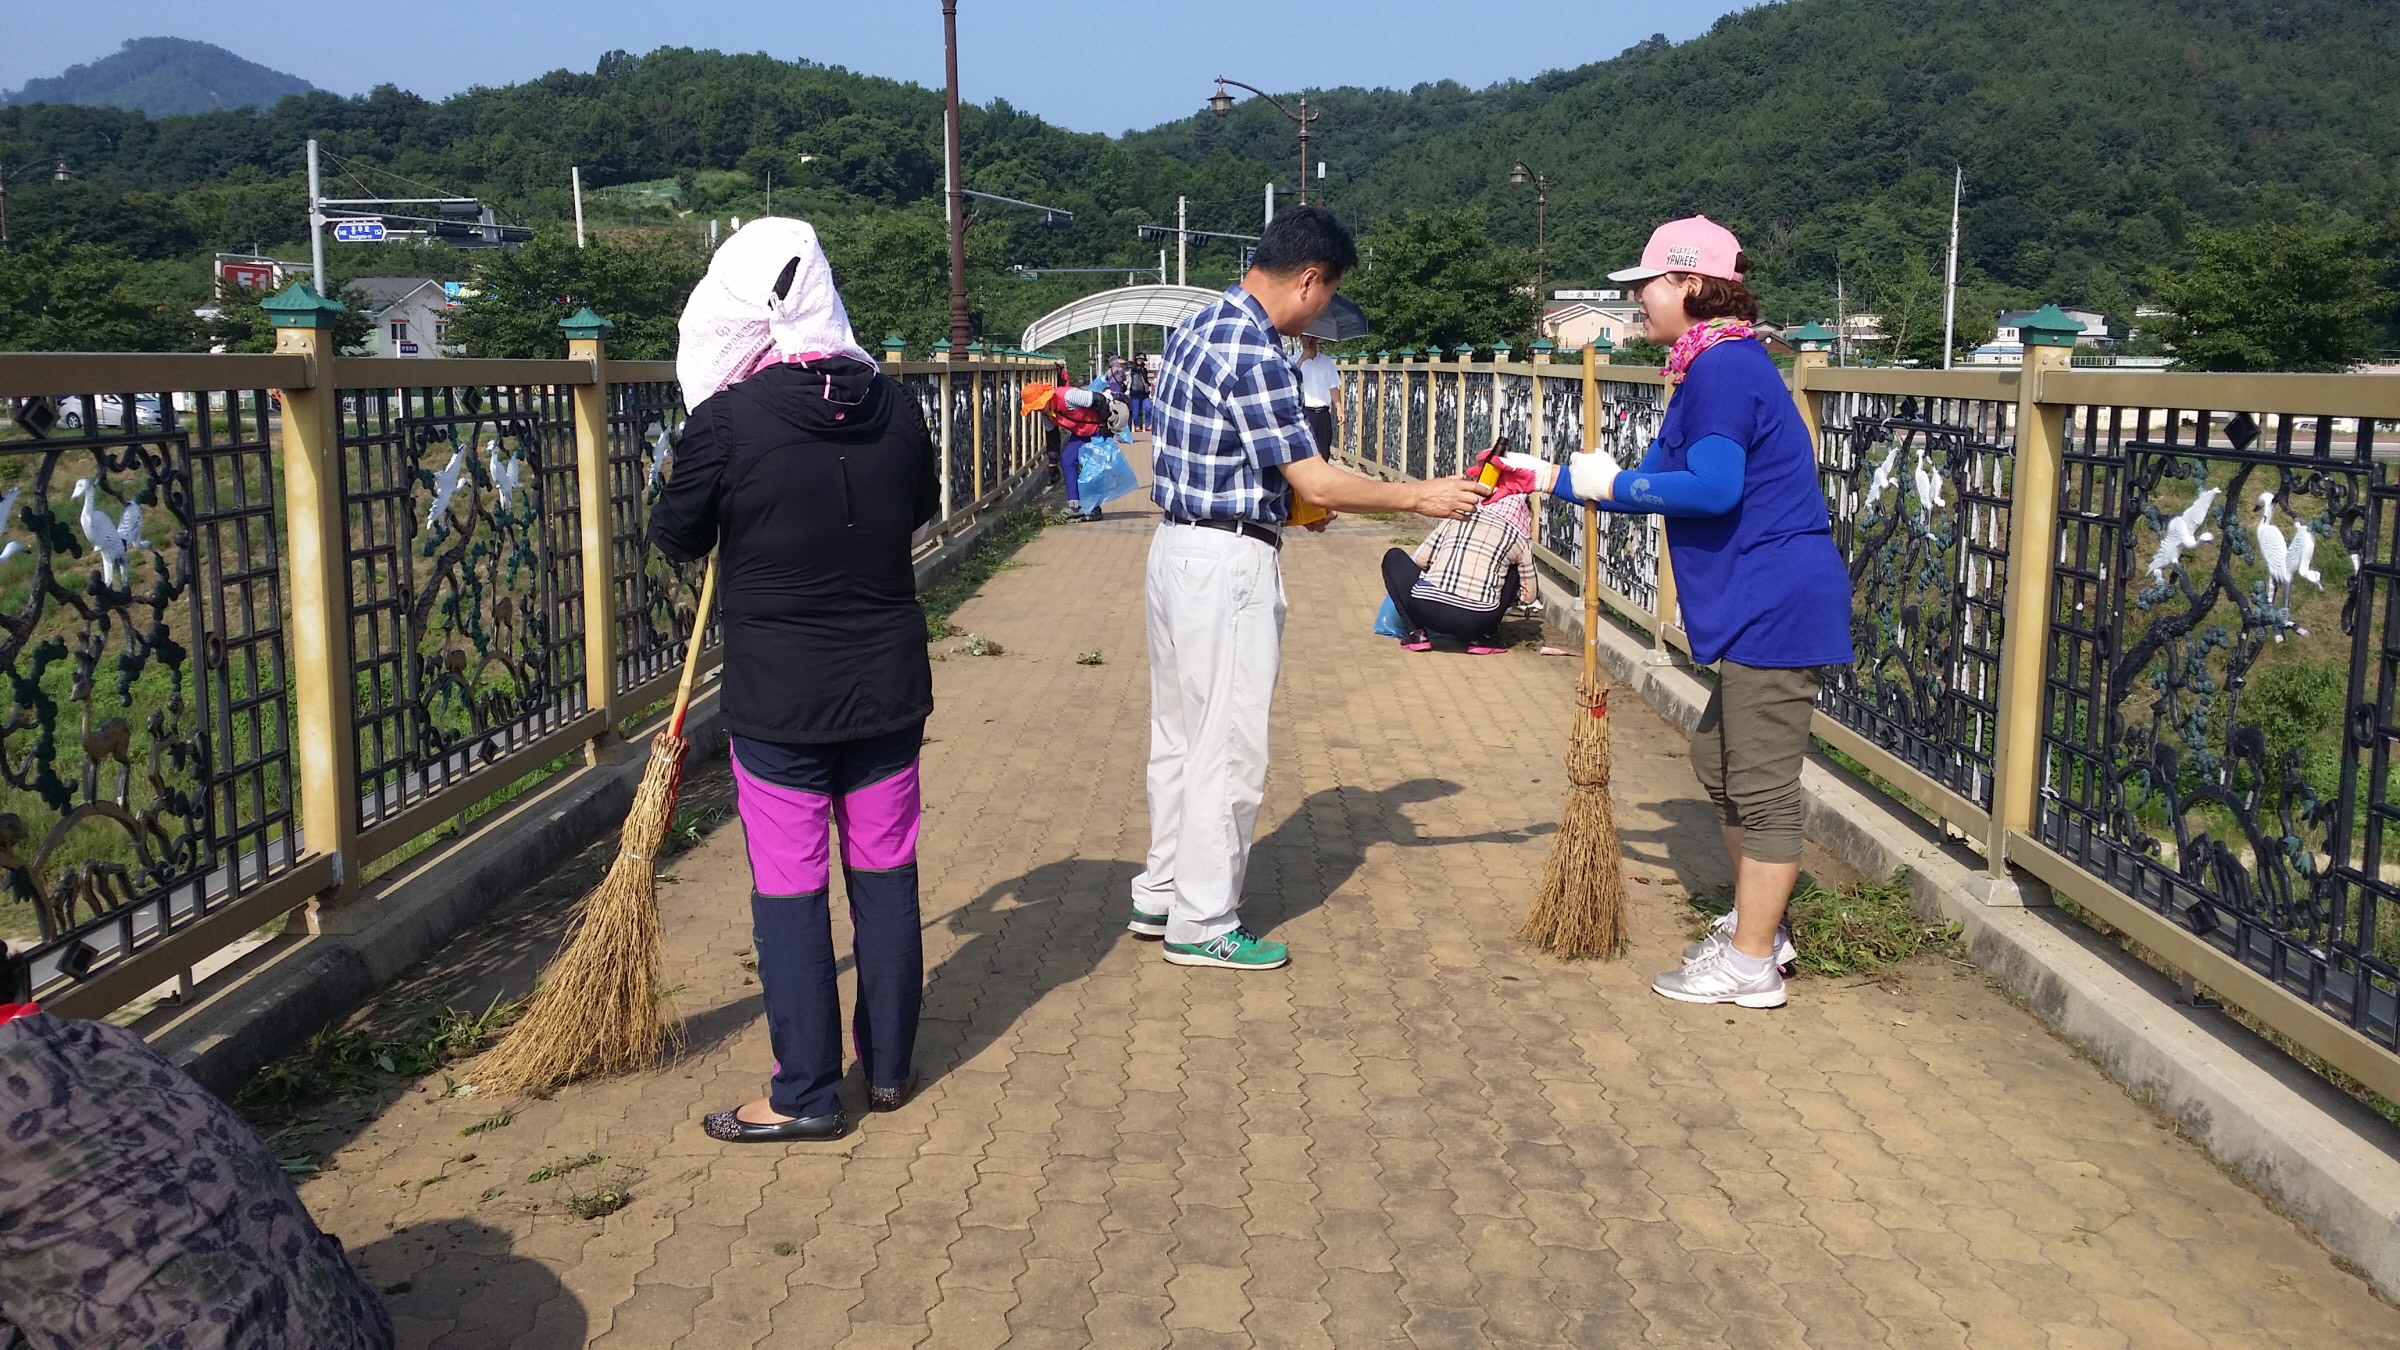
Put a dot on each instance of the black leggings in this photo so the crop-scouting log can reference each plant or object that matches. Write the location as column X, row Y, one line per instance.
column 1400, row 573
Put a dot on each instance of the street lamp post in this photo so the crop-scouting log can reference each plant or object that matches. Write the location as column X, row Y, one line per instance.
column 1518, row 175
column 960, row 330
column 1221, row 103
column 57, row 175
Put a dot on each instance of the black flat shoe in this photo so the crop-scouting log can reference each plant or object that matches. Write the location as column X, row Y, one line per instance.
column 894, row 1097
column 732, row 1129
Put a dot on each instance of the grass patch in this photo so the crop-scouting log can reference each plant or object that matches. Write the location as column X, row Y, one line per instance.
column 563, row 1167
column 599, row 1203
column 1867, row 925
column 693, row 823
column 352, row 1061
column 989, row 556
column 487, row 1124
column 1091, row 658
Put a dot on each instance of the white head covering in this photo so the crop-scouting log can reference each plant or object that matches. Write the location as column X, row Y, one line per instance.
column 735, row 323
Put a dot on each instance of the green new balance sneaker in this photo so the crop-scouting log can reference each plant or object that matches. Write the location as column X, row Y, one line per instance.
column 1240, row 949
column 1147, row 925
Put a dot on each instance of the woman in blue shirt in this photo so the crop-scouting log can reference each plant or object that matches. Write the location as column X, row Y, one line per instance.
column 1765, row 595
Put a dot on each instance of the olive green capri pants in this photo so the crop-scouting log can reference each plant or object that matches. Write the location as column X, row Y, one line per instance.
column 1747, row 750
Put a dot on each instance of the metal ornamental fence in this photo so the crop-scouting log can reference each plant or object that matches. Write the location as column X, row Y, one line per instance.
column 266, row 620
column 2178, row 706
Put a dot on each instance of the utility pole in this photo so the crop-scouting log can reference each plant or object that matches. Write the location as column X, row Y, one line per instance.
column 1958, row 188
column 316, row 223
column 1270, row 206
column 576, row 173
column 960, row 333
column 770, row 172
column 1181, row 277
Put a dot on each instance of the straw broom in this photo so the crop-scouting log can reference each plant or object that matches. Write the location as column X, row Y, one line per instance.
column 1580, row 910
column 601, row 1009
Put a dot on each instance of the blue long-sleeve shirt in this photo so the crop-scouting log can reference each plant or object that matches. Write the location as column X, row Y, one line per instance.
column 1734, row 472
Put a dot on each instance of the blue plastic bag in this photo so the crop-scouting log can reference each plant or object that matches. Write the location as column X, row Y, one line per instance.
column 1104, row 475
column 1387, row 619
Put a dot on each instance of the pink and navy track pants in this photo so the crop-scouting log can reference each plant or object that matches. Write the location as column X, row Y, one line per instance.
column 788, row 795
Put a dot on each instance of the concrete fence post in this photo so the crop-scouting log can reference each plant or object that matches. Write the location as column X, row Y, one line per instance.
column 587, row 341
column 324, row 740
column 2025, row 627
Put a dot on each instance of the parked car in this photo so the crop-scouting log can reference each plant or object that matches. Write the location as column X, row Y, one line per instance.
column 109, row 410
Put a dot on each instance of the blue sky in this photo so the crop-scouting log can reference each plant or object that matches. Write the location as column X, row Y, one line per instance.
column 1088, row 66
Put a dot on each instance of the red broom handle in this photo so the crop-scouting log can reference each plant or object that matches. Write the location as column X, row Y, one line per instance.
column 691, row 657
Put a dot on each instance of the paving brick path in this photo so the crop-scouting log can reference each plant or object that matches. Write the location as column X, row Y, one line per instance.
column 1418, row 1134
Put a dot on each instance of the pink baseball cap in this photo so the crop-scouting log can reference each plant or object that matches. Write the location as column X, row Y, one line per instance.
column 1696, row 244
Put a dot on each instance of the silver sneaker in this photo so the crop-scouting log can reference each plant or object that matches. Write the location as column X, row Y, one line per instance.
column 1711, row 979
column 1721, row 932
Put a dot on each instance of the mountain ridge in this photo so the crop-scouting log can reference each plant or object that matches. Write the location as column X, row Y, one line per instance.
column 164, row 77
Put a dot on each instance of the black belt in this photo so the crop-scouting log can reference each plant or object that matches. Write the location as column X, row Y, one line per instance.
column 1272, row 538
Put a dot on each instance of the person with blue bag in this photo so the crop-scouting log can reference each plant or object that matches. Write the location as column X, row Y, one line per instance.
column 1765, row 594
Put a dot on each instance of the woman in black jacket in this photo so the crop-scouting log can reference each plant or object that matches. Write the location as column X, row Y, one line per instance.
column 809, row 471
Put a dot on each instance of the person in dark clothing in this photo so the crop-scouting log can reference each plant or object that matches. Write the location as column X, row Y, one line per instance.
column 1137, row 392
column 808, row 470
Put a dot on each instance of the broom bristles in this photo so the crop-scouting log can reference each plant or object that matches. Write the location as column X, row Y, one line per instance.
column 1579, row 912
column 601, row 1009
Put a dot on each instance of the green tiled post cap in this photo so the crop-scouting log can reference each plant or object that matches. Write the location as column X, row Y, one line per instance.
column 1811, row 337
column 893, row 345
column 2049, row 326
column 299, row 306
column 583, row 323
column 1602, row 344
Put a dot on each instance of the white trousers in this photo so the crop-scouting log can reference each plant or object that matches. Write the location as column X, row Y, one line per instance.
column 1214, row 609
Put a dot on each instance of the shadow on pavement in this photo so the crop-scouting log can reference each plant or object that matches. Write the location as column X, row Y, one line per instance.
column 1052, row 925
column 456, row 1284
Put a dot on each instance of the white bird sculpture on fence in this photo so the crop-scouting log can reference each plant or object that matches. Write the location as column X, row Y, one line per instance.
column 11, row 549
column 505, row 477
column 1929, row 485
column 111, row 539
column 446, row 484
column 2304, row 554
column 662, row 450
column 2182, row 532
column 2273, row 553
column 1881, row 483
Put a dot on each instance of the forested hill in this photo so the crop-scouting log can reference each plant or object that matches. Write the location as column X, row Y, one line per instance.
column 164, row 76
column 2095, row 135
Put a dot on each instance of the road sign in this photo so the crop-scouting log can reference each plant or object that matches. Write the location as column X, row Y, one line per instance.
column 358, row 231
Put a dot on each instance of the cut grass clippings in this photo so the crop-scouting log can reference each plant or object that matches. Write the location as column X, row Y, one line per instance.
column 350, row 1061
column 1008, row 534
column 1865, row 926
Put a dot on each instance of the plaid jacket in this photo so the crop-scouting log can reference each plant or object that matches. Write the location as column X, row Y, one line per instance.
column 1466, row 561
column 1227, row 415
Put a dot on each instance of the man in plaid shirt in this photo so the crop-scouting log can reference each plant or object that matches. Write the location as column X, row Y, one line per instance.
column 1230, row 450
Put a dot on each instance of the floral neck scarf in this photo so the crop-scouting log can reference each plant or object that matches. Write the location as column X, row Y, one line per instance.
column 1699, row 338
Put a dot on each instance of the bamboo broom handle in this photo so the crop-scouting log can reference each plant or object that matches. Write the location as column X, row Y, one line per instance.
column 691, row 657
column 1591, row 601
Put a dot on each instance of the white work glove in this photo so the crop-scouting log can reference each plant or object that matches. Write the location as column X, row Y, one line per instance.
column 1593, row 476
column 1544, row 472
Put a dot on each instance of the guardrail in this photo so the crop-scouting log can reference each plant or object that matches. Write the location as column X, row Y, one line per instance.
column 267, row 620
column 2178, row 706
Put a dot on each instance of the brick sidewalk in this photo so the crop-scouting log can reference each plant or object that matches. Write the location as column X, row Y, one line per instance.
column 1417, row 1134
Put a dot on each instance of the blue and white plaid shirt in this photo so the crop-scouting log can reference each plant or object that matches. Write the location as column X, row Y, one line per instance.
column 1228, row 416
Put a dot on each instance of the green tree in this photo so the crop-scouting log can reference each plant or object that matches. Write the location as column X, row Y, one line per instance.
column 638, row 283
column 2270, row 297
column 241, row 326
column 1437, row 278
column 88, row 298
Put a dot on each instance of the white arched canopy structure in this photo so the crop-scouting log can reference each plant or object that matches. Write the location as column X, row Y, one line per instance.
column 1148, row 306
